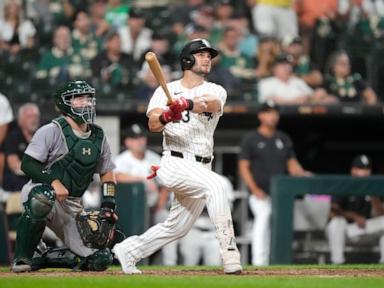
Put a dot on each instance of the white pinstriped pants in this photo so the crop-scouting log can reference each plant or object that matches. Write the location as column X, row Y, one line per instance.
column 194, row 185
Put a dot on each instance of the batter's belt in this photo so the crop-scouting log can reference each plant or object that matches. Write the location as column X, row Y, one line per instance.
column 204, row 160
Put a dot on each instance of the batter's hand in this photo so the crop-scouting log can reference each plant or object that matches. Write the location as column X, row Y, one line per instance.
column 200, row 104
column 170, row 116
column 180, row 104
column 60, row 190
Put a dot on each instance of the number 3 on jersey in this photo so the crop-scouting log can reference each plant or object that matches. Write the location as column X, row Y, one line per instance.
column 186, row 117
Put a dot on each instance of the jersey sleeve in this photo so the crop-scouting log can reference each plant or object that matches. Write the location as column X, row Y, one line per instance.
column 222, row 94
column 43, row 142
column 105, row 163
column 158, row 100
column 121, row 163
column 246, row 148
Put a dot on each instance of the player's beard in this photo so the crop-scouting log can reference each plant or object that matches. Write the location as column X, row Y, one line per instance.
column 201, row 71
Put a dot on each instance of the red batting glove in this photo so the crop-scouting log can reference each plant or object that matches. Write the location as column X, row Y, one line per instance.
column 181, row 104
column 170, row 116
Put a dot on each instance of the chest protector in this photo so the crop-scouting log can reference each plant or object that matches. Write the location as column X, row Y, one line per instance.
column 75, row 170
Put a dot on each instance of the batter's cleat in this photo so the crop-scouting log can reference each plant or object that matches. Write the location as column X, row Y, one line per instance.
column 20, row 266
column 128, row 263
column 231, row 262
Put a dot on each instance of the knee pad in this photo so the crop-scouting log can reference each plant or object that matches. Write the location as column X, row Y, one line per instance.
column 98, row 261
column 40, row 202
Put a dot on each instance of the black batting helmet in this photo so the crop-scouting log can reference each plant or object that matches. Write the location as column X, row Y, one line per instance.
column 186, row 56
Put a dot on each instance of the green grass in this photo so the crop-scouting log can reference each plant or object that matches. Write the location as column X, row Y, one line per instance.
column 166, row 281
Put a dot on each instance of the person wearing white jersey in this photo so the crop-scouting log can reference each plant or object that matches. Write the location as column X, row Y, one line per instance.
column 187, row 124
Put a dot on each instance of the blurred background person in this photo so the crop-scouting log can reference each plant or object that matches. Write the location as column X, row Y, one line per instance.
column 265, row 153
column 344, row 85
column 28, row 120
column 16, row 33
column 284, row 88
column 6, row 117
column 349, row 217
column 112, row 66
column 134, row 165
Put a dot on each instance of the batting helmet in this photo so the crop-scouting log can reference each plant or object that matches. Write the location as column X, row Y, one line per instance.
column 72, row 89
column 187, row 60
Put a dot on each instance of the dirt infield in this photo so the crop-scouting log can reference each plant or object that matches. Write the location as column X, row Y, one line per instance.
column 291, row 272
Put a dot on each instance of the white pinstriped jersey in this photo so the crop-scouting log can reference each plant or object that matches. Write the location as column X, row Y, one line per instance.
column 194, row 133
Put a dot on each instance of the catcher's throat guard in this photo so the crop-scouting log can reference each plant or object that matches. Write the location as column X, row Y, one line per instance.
column 95, row 228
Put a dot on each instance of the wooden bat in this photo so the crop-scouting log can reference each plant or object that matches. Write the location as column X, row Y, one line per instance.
column 154, row 64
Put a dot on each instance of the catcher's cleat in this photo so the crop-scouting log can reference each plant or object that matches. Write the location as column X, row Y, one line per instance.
column 231, row 262
column 128, row 263
column 20, row 266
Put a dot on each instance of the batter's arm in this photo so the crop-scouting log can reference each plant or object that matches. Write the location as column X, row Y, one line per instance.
column 154, row 123
column 206, row 103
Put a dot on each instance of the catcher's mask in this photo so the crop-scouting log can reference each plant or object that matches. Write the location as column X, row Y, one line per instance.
column 95, row 229
column 187, row 60
column 83, row 111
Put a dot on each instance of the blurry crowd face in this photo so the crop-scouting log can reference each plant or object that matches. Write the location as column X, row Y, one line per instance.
column 82, row 22
column 283, row 71
column 231, row 39
column 295, row 49
column 160, row 46
column 62, row 38
column 136, row 23
column 29, row 118
column 342, row 66
column 11, row 10
column 97, row 10
column 224, row 11
column 114, row 45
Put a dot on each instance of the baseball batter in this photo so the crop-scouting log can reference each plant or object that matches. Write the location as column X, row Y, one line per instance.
column 188, row 125
column 61, row 160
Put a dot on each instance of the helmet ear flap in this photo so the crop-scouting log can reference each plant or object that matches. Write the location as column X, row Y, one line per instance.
column 187, row 62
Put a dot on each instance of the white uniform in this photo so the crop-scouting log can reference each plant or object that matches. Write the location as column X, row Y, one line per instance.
column 193, row 182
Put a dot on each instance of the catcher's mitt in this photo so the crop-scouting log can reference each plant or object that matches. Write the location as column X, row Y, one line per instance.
column 96, row 227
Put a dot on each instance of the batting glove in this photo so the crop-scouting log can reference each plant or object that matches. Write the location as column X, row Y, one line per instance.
column 170, row 116
column 181, row 104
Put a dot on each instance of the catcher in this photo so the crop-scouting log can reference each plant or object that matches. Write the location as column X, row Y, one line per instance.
column 61, row 160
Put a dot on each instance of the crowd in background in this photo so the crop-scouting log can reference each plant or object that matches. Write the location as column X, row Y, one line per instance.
column 325, row 52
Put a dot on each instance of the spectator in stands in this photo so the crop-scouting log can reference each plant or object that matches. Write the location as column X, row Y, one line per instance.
column 161, row 47
column 265, row 153
column 182, row 13
column 16, row 33
column 6, row 117
column 84, row 41
column 286, row 89
column 268, row 49
column 18, row 139
column 345, row 86
column 111, row 65
column 61, row 63
column 148, row 83
column 275, row 18
column 350, row 215
column 99, row 25
column 116, row 14
column 302, row 66
column 135, row 37
column 231, row 58
column 308, row 11
column 134, row 165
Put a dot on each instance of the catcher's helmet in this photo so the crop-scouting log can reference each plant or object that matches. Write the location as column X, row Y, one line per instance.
column 73, row 89
column 186, row 56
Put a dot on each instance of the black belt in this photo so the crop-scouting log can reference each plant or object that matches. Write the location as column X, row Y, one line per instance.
column 201, row 159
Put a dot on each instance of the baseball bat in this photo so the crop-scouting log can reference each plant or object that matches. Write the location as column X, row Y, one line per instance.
column 154, row 64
